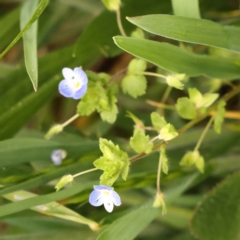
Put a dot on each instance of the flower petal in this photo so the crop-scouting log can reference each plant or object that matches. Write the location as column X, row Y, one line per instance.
column 81, row 75
column 116, row 199
column 95, row 198
column 65, row 89
column 108, row 204
column 68, row 73
column 102, row 187
column 79, row 93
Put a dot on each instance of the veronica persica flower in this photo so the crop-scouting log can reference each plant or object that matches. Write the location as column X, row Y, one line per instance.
column 103, row 195
column 58, row 155
column 74, row 84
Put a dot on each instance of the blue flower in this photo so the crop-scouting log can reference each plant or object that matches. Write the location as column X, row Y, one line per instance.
column 104, row 195
column 75, row 83
column 57, row 156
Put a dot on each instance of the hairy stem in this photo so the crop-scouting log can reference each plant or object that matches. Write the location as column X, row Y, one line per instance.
column 70, row 120
column 84, row 172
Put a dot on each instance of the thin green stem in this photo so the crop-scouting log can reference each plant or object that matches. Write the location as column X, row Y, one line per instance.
column 87, row 171
column 226, row 97
column 159, row 174
column 203, row 134
column 70, row 120
column 166, row 94
column 119, row 23
column 153, row 74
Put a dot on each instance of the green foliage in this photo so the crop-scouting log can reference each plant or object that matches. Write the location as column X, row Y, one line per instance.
column 168, row 132
column 223, row 200
column 202, row 100
column 219, row 116
column 193, row 158
column 30, row 40
column 141, row 142
column 134, row 83
column 158, row 122
column 194, row 64
column 114, row 162
column 185, row 108
column 176, row 81
column 164, row 159
column 173, row 27
column 99, row 98
column 25, row 157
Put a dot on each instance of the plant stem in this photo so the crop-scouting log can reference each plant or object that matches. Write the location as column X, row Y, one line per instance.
column 166, row 94
column 119, row 23
column 153, row 74
column 87, row 171
column 203, row 134
column 226, row 97
column 70, row 120
column 159, row 174
column 160, row 105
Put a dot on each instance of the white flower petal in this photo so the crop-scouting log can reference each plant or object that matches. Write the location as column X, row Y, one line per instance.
column 108, row 204
column 68, row 73
column 79, row 93
column 95, row 198
column 116, row 198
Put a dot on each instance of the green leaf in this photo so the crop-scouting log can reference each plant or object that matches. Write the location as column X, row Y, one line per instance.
column 140, row 142
column 112, row 5
column 114, row 162
column 45, row 204
column 185, row 108
column 168, row 132
column 195, row 96
column 137, row 66
column 30, row 40
column 21, row 150
column 110, row 113
column 219, row 116
column 209, row 99
column 134, row 85
column 217, row 217
column 164, row 159
column 158, row 121
column 186, row 8
column 25, row 108
column 192, row 30
column 42, row 5
column 122, row 228
column 202, row 101
column 175, row 59
column 176, row 81
column 193, row 158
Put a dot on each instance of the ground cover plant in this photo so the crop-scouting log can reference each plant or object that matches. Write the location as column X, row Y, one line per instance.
column 119, row 119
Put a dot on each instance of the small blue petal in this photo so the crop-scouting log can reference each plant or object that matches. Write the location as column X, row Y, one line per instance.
column 116, row 199
column 81, row 75
column 79, row 93
column 95, row 198
column 102, row 187
column 65, row 89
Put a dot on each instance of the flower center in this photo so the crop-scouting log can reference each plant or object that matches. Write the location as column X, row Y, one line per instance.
column 106, row 192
